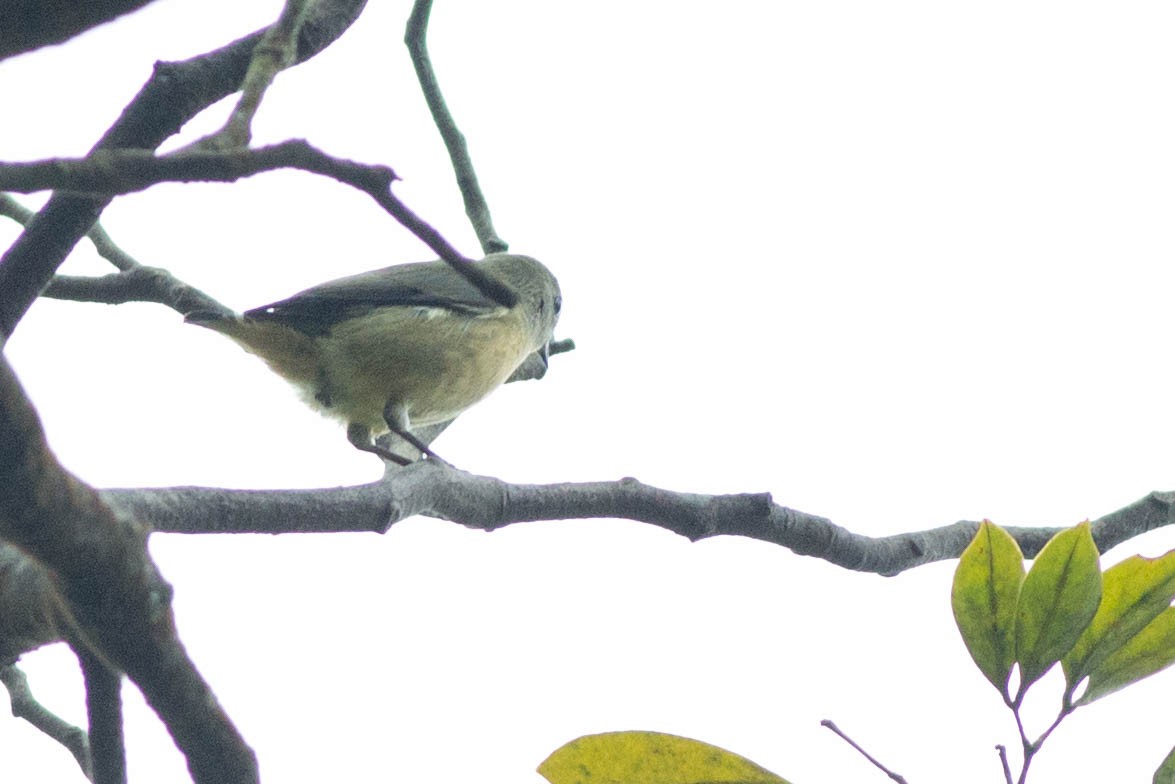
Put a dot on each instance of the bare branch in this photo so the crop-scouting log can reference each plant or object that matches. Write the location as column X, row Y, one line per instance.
column 175, row 93
column 11, row 208
column 1003, row 752
column 829, row 724
column 25, row 706
column 141, row 284
column 107, row 249
column 475, row 204
column 274, row 53
column 28, row 26
column 104, row 713
column 135, row 283
column 116, row 172
column 31, row 611
column 561, row 346
column 487, row 503
column 126, row 171
column 115, row 595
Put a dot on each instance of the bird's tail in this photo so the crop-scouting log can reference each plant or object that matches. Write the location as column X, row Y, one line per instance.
column 209, row 318
column 291, row 354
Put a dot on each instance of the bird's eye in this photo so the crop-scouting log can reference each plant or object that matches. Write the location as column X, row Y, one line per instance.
column 558, row 304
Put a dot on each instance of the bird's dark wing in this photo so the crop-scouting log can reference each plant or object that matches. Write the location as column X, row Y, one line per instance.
column 426, row 284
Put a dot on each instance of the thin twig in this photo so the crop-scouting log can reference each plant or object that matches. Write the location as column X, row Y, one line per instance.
column 25, row 706
column 274, row 53
column 109, row 172
column 1032, row 748
column 876, row 763
column 134, row 283
column 561, row 346
column 109, row 251
column 476, row 206
column 11, row 208
column 1003, row 752
column 117, row 172
column 175, row 93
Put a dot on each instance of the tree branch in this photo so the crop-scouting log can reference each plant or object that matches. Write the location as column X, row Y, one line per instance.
column 486, row 503
column 139, row 283
column 121, row 605
column 104, row 714
column 897, row 777
column 476, row 206
column 25, row 706
column 31, row 612
column 31, row 25
column 106, row 248
column 274, row 52
column 109, row 172
column 134, row 283
column 117, row 172
column 174, row 94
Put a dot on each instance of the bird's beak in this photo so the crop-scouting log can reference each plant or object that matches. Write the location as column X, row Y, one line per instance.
column 545, row 354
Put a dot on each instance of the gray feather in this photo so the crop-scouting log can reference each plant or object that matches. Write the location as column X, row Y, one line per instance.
column 426, row 284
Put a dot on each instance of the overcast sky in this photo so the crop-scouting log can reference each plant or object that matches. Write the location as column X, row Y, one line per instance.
column 898, row 264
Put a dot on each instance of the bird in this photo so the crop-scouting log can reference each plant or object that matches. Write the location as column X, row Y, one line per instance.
column 398, row 348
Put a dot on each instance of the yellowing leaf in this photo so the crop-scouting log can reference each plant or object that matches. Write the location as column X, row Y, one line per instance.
column 649, row 758
column 1134, row 593
column 984, row 596
column 1057, row 601
column 1166, row 772
column 1146, row 653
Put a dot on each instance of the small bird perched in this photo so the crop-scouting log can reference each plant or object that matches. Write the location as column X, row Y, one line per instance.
column 400, row 347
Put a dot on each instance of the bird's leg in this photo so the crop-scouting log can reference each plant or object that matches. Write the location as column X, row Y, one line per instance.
column 397, row 421
column 360, row 437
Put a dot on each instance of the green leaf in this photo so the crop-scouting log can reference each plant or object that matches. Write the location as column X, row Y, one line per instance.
column 1166, row 772
column 983, row 598
column 1146, row 653
column 649, row 758
column 1057, row 601
column 1134, row 593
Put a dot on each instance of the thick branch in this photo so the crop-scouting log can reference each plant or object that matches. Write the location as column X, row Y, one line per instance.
column 104, row 714
column 475, row 203
column 174, row 94
column 31, row 612
column 115, row 596
column 486, row 503
column 30, row 24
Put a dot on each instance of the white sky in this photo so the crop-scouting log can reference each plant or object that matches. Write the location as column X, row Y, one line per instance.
column 898, row 264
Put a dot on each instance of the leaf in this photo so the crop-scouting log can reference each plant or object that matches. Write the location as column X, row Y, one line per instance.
column 983, row 598
column 1134, row 593
column 1146, row 653
column 1166, row 771
column 1057, row 601
column 649, row 758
